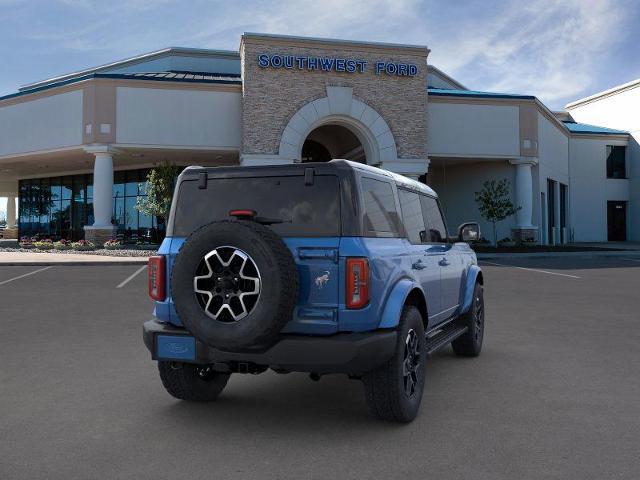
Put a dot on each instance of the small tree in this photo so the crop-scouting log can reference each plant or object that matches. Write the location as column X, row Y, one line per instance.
column 494, row 203
column 160, row 183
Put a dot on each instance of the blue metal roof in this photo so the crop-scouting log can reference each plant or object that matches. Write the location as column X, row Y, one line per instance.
column 188, row 77
column 575, row 127
column 444, row 92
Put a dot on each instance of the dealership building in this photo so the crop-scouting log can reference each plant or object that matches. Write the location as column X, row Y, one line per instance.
column 75, row 149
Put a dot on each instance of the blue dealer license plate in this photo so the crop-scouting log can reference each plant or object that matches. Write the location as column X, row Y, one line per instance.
column 175, row 347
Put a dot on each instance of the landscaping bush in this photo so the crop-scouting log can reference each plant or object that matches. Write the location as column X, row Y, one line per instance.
column 83, row 245
column 62, row 245
column 113, row 244
column 26, row 242
column 46, row 244
column 506, row 242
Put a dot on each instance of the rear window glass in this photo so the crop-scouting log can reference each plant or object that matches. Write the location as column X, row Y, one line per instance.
column 305, row 210
column 381, row 215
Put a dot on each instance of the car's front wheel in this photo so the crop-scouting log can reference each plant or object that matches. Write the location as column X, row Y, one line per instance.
column 394, row 391
column 192, row 382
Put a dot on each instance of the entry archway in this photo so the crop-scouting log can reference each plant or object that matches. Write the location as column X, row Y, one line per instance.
column 346, row 117
column 332, row 141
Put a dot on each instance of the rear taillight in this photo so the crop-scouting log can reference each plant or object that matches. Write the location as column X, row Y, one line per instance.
column 357, row 282
column 157, row 278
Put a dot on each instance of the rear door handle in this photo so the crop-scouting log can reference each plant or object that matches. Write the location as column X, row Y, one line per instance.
column 418, row 265
column 444, row 262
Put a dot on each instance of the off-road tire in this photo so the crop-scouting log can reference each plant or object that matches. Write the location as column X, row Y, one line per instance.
column 278, row 276
column 384, row 387
column 182, row 381
column 470, row 343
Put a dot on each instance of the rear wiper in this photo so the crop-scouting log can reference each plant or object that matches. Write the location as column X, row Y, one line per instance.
column 251, row 215
column 270, row 221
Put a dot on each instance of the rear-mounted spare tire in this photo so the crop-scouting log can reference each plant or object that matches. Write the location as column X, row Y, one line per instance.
column 234, row 284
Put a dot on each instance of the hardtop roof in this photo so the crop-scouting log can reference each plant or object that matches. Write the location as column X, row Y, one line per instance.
column 320, row 167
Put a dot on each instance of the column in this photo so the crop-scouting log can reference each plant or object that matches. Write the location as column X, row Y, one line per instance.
column 524, row 229
column 11, row 232
column 11, row 212
column 409, row 167
column 102, row 228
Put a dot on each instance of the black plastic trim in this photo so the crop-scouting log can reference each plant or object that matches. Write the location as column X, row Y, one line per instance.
column 348, row 353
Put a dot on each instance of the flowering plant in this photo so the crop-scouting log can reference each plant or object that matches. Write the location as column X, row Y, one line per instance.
column 62, row 244
column 26, row 242
column 112, row 244
column 83, row 245
column 44, row 244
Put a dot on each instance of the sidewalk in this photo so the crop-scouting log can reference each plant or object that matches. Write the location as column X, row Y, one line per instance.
column 36, row 259
column 635, row 254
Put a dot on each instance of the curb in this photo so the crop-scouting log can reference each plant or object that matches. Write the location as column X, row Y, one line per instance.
column 88, row 263
column 617, row 253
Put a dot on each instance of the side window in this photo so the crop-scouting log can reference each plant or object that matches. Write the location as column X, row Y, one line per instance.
column 412, row 216
column 616, row 167
column 380, row 213
column 437, row 232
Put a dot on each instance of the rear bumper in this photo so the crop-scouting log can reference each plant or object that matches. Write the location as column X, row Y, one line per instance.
column 350, row 353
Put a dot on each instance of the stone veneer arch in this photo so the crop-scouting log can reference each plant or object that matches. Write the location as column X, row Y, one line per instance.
column 339, row 107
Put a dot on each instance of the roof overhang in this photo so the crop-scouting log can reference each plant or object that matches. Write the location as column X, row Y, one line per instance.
column 606, row 93
column 145, row 57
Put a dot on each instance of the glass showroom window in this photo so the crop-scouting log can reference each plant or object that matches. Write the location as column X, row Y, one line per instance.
column 59, row 207
column 616, row 161
column 132, row 225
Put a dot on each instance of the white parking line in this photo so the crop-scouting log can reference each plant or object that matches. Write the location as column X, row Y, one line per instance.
column 131, row 277
column 25, row 275
column 531, row 269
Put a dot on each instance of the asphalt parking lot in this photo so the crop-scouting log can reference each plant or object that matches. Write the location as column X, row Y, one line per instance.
column 555, row 393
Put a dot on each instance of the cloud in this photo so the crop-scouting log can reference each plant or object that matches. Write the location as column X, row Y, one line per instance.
column 557, row 50
column 547, row 48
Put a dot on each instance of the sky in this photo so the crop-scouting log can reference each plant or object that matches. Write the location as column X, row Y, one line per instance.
column 557, row 50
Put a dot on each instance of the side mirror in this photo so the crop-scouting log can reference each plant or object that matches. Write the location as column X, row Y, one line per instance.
column 469, row 232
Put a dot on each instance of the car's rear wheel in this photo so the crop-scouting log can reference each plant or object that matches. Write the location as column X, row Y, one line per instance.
column 394, row 391
column 196, row 383
column 470, row 343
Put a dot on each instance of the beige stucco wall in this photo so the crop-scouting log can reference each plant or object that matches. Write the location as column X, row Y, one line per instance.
column 272, row 96
column 473, row 129
column 49, row 122
column 178, row 117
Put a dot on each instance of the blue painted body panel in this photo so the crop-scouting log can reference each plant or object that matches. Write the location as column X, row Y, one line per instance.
column 321, row 307
column 468, row 282
column 395, row 302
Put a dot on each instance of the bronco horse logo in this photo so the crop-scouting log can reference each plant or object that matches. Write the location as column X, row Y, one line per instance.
column 322, row 280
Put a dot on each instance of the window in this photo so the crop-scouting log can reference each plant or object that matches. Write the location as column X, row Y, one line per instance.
column 60, row 207
column 412, row 216
column 616, row 167
column 433, row 218
column 305, row 210
column 380, row 215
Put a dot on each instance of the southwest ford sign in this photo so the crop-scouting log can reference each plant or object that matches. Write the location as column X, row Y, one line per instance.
column 335, row 64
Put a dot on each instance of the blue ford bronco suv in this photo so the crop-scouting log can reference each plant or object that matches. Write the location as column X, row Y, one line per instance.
column 333, row 267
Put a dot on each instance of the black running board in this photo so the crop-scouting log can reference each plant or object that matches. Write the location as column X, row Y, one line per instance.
column 443, row 338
